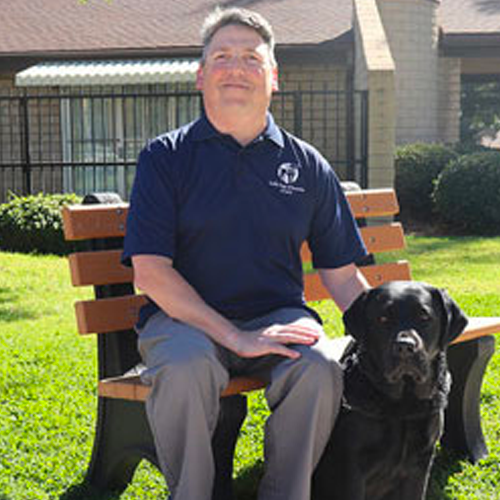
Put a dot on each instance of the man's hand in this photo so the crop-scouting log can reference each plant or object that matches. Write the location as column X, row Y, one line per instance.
column 162, row 283
column 273, row 339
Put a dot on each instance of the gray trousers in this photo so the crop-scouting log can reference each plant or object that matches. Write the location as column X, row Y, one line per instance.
column 188, row 372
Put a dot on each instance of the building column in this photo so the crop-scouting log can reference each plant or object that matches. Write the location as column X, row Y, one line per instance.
column 375, row 72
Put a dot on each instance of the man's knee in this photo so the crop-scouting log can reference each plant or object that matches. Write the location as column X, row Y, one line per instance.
column 313, row 376
column 319, row 370
column 184, row 355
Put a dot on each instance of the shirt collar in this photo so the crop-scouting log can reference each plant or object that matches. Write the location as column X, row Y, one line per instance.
column 273, row 132
column 204, row 130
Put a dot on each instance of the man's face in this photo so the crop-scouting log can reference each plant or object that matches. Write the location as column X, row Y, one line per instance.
column 238, row 75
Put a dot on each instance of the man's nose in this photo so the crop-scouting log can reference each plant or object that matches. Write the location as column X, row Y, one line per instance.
column 235, row 63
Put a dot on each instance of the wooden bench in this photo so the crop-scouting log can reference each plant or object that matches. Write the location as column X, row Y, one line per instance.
column 123, row 437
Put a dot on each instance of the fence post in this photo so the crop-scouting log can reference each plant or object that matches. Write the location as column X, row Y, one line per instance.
column 25, row 147
column 351, row 131
column 297, row 115
column 364, row 138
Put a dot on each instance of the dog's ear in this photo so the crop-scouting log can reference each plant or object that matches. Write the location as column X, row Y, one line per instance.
column 453, row 320
column 355, row 318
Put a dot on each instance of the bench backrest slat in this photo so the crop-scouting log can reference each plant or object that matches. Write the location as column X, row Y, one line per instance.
column 98, row 268
column 82, row 222
column 104, row 267
column 121, row 313
column 108, row 315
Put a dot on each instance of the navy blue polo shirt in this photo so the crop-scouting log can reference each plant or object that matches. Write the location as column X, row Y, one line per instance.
column 233, row 218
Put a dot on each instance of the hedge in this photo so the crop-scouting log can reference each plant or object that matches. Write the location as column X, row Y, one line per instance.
column 417, row 168
column 467, row 193
column 33, row 224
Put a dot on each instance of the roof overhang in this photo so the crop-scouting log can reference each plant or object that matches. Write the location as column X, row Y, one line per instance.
column 124, row 72
column 470, row 44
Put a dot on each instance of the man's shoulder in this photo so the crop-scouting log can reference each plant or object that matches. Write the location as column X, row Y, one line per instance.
column 303, row 146
column 308, row 154
column 174, row 140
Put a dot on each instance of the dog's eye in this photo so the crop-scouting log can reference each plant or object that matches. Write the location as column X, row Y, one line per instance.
column 425, row 316
column 383, row 319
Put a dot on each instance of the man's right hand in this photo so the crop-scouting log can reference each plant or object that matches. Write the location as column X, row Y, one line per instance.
column 162, row 283
column 274, row 339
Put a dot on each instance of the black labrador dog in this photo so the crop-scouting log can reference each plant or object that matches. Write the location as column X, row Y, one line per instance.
column 396, row 388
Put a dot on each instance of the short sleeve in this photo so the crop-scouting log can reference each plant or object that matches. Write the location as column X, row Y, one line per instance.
column 334, row 238
column 151, row 222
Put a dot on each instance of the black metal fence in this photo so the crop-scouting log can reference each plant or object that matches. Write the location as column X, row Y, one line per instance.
column 81, row 140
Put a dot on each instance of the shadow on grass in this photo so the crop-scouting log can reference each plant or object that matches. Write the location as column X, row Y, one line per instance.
column 446, row 464
column 85, row 491
column 246, row 484
column 10, row 309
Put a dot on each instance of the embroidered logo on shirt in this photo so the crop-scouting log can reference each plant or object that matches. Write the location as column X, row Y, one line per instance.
column 288, row 174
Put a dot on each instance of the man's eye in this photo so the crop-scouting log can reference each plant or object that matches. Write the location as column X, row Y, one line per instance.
column 252, row 59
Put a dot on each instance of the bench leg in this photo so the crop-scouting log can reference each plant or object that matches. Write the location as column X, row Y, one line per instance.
column 232, row 414
column 122, row 440
column 467, row 362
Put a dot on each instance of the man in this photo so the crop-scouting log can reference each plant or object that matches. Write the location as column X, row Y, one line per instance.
column 219, row 211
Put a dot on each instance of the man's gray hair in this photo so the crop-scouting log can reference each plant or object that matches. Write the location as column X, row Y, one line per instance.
column 220, row 18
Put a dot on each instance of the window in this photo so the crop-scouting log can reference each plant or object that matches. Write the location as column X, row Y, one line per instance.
column 104, row 132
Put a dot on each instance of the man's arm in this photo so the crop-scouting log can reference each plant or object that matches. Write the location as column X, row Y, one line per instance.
column 156, row 277
column 344, row 284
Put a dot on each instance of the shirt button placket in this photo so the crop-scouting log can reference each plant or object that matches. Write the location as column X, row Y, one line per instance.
column 240, row 169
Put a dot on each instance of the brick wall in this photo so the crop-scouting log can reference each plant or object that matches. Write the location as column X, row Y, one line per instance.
column 411, row 28
column 44, row 121
column 11, row 179
column 324, row 116
column 427, row 86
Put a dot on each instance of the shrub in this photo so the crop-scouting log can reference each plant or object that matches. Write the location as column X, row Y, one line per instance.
column 467, row 193
column 33, row 223
column 466, row 148
column 417, row 168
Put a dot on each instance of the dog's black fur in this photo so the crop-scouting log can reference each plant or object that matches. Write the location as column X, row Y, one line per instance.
column 396, row 387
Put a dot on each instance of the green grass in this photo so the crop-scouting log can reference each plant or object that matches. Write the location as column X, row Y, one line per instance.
column 47, row 380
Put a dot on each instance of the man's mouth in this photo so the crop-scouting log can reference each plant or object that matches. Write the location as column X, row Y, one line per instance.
column 235, row 85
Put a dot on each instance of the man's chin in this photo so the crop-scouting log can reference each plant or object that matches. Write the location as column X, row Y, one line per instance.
column 235, row 105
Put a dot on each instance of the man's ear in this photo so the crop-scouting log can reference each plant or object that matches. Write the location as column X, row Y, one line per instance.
column 199, row 77
column 355, row 316
column 453, row 319
column 275, row 84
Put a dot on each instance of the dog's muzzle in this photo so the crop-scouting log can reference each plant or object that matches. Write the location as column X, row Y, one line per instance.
column 408, row 359
column 407, row 343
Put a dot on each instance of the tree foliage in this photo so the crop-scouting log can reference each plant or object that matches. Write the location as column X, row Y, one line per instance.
column 480, row 104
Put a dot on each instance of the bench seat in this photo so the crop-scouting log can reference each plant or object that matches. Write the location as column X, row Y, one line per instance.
column 129, row 386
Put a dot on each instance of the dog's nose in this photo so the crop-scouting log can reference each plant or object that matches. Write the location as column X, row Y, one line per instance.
column 406, row 344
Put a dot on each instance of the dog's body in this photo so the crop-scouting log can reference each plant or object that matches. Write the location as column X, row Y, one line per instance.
column 396, row 388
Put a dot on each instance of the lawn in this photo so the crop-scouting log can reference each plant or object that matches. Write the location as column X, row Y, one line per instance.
column 47, row 388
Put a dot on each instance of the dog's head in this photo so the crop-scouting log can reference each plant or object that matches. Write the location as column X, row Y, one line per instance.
column 401, row 328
